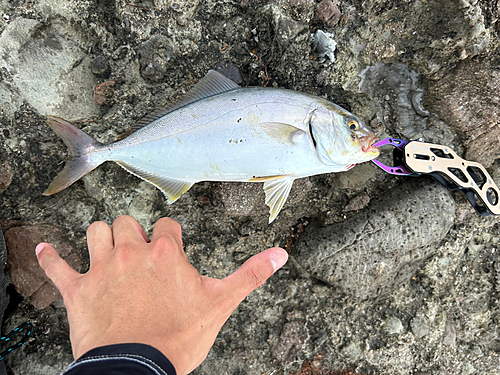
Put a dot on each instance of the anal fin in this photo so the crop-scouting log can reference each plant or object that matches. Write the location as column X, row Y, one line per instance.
column 173, row 188
column 276, row 194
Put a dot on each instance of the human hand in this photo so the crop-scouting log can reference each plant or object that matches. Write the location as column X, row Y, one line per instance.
column 142, row 291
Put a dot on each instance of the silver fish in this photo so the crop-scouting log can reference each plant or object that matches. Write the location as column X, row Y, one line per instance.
column 222, row 132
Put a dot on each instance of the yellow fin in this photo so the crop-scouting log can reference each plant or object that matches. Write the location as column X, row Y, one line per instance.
column 276, row 194
column 280, row 132
column 172, row 188
column 266, row 178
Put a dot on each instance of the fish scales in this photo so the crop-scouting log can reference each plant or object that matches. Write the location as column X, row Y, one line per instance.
column 221, row 132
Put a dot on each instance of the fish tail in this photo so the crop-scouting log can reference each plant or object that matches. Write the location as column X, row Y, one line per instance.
column 80, row 145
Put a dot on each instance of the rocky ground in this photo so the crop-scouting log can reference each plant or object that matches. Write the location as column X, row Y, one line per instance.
column 387, row 275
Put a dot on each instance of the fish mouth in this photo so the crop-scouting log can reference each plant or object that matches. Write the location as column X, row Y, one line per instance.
column 367, row 144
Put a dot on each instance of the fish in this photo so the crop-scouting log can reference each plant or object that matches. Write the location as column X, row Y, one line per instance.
column 220, row 131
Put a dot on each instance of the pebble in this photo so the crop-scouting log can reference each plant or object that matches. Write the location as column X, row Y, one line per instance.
column 100, row 67
column 328, row 13
column 394, row 326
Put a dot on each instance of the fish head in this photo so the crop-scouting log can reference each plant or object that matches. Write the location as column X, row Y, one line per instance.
column 340, row 138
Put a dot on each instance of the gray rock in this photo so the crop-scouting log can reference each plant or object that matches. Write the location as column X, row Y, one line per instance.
column 285, row 28
column 373, row 252
column 230, row 70
column 183, row 10
column 9, row 100
column 357, row 203
column 395, row 89
column 248, row 199
column 356, row 178
column 450, row 335
column 155, row 57
column 49, row 71
column 428, row 38
column 353, row 351
column 419, row 327
column 471, row 106
column 393, row 326
column 100, row 67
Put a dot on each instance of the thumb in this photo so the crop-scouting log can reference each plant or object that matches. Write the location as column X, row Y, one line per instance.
column 254, row 272
column 55, row 267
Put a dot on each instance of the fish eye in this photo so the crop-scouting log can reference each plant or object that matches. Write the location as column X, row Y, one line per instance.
column 353, row 125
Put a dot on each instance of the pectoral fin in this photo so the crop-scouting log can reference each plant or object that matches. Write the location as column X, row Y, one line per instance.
column 276, row 194
column 280, row 132
column 173, row 188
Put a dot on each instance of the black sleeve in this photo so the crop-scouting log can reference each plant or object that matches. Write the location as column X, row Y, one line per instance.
column 122, row 359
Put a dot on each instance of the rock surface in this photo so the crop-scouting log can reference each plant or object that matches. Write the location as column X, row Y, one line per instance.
column 362, row 257
column 49, row 71
column 410, row 69
column 472, row 98
column 26, row 275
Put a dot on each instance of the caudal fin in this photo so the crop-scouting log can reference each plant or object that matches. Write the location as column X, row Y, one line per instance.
column 80, row 146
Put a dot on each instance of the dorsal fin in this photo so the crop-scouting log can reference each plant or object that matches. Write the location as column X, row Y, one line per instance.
column 212, row 84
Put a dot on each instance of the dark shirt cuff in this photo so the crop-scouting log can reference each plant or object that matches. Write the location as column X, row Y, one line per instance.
column 122, row 359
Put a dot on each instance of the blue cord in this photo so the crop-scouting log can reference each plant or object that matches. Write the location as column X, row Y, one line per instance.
column 26, row 329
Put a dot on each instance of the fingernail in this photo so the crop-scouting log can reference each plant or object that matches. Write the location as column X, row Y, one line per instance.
column 279, row 258
column 39, row 248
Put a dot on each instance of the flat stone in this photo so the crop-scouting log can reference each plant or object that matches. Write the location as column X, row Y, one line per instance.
column 377, row 249
column 10, row 102
column 353, row 351
column 286, row 29
column 26, row 275
column 48, row 71
column 100, row 67
column 231, row 71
